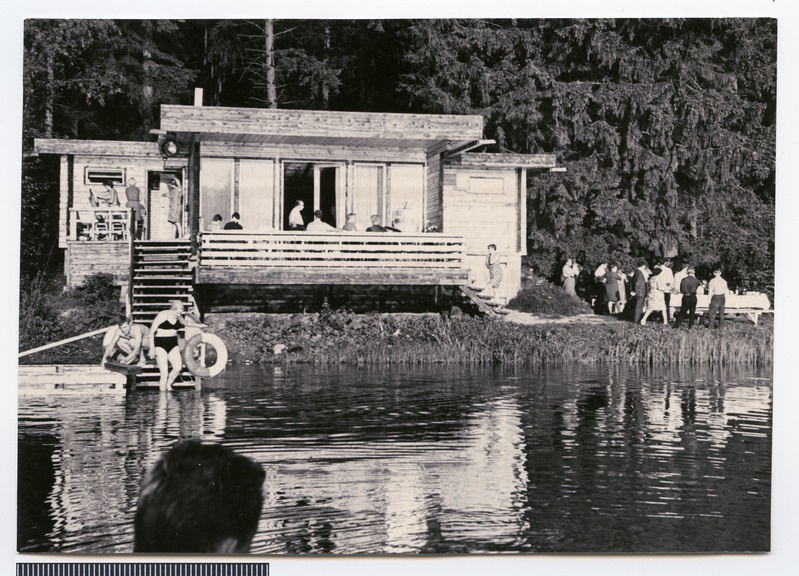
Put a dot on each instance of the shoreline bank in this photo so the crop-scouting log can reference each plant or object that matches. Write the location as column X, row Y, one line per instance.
column 340, row 337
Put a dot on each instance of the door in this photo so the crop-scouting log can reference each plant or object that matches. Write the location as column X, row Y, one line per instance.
column 158, row 225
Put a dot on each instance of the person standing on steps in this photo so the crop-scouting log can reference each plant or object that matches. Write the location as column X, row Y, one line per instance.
column 494, row 267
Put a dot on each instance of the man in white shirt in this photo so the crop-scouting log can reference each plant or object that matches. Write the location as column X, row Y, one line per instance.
column 295, row 216
column 717, row 290
column 666, row 282
column 319, row 225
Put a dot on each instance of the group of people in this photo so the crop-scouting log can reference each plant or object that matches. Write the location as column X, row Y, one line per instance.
column 297, row 222
column 651, row 290
column 130, row 342
column 234, row 224
column 108, row 197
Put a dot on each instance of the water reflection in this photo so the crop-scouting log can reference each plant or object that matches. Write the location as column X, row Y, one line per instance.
column 426, row 461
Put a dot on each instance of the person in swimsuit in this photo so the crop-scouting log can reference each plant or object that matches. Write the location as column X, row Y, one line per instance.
column 164, row 344
column 125, row 343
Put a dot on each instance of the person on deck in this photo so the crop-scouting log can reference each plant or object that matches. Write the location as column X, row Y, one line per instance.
column 688, row 287
column 234, row 222
column 296, row 221
column 133, row 201
column 319, row 225
column 175, row 212
column 199, row 498
column 107, row 197
column 164, row 342
column 568, row 277
column 351, row 225
column 494, row 270
column 717, row 290
column 376, row 226
column 216, row 223
column 125, row 342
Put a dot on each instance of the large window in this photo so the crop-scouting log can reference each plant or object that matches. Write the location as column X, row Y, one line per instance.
column 406, row 197
column 368, row 193
column 256, row 194
column 216, row 189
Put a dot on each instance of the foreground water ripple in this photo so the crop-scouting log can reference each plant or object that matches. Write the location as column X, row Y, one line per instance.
column 425, row 461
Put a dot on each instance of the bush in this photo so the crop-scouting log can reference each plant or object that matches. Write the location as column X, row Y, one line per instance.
column 538, row 296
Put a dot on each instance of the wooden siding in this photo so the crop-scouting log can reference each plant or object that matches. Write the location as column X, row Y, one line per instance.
column 97, row 148
column 483, row 206
column 333, row 258
column 311, row 152
column 86, row 258
column 319, row 123
column 63, row 201
column 504, row 160
column 433, row 200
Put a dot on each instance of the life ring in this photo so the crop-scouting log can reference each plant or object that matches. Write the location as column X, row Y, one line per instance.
column 193, row 363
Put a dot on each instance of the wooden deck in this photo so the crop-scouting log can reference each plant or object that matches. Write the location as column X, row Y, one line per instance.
column 334, row 258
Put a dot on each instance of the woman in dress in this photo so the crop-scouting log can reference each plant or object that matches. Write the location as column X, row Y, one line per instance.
column 568, row 277
column 494, row 270
column 612, row 280
column 175, row 213
column 655, row 302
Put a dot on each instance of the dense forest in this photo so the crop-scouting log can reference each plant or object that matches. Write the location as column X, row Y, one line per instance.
column 666, row 126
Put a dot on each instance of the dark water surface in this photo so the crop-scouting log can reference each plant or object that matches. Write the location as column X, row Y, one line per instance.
column 442, row 460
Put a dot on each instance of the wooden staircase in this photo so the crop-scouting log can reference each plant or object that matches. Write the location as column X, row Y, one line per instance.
column 161, row 271
column 472, row 296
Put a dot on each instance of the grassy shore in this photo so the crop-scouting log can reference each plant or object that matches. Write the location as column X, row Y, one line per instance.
column 334, row 336
column 339, row 337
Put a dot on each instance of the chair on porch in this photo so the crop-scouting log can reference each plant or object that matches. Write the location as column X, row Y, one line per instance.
column 119, row 225
column 101, row 226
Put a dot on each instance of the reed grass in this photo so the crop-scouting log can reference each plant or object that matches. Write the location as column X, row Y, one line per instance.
column 425, row 340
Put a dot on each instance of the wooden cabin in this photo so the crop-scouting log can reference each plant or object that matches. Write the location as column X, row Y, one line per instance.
column 418, row 173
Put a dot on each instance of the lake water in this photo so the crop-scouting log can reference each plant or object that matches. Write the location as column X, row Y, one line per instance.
column 436, row 460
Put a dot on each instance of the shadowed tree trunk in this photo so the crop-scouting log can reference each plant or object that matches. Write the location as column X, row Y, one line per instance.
column 271, row 90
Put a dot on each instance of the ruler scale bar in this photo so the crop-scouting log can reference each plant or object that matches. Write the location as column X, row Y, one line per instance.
column 142, row 569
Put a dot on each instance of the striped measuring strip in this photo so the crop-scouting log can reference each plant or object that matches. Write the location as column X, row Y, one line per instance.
column 143, row 569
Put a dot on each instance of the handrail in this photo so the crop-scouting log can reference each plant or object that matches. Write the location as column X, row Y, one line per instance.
column 64, row 341
column 334, row 249
column 110, row 215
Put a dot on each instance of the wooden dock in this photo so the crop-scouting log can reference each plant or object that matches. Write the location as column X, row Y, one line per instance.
column 68, row 379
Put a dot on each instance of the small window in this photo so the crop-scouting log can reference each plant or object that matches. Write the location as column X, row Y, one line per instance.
column 100, row 175
column 486, row 185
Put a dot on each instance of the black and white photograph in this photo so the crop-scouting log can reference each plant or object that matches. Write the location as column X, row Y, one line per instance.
column 343, row 287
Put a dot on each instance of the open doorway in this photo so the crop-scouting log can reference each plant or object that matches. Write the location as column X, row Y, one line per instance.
column 317, row 186
column 297, row 185
column 327, row 195
column 158, row 226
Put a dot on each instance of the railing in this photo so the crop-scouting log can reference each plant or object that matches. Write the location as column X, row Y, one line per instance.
column 99, row 224
column 381, row 250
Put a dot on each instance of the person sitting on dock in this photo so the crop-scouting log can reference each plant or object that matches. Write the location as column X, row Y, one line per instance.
column 164, row 343
column 125, row 342
column 199, row 498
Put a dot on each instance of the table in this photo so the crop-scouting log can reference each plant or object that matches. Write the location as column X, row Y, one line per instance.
column 752, row 304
